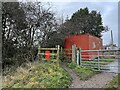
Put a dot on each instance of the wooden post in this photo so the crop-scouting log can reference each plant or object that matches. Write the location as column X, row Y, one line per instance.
column 52, row 56
column 61, row 49
column 78, row 58
column 58, row 48
column 73, row 53
column 39, row 53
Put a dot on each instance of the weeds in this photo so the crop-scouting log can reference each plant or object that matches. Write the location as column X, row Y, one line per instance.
column 83, row 72
column 38, row 76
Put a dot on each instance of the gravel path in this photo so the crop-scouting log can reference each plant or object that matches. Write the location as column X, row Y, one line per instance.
column 96, row 81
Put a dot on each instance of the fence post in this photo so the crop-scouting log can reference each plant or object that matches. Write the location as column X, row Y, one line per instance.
column 98, row 60
column 73, row 53
column 80, row 57
column 39, row 53
column 61, row 49
column 58, row 48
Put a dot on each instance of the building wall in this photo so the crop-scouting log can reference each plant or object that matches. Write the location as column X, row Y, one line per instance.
column 85, row 42
column 95, row 43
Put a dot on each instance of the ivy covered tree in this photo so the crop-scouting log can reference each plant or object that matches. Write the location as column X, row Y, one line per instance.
column 13, row 23
column 25, row 26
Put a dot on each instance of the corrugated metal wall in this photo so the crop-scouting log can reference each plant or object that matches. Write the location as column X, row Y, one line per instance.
column 85, row 42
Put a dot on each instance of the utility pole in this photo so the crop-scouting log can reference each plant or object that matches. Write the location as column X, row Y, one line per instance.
column 111, row 40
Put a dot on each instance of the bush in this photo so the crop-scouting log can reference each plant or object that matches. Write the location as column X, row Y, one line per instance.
column 38, row 75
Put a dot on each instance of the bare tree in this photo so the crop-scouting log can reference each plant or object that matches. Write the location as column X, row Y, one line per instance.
column 40, row 20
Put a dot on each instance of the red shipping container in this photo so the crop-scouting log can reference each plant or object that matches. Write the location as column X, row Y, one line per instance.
column 47, row 55
column 85, row 42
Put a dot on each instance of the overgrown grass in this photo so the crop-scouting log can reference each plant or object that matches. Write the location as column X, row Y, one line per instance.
column 83, row 72
column 114, row 84
column 38, row 75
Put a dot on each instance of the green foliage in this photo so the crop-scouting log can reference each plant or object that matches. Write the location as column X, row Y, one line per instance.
column 38, row 76
column 88, row 22
column 13, row 23
column 83, row 21
column 25, row 25
column 83, row 72
column 72, row 65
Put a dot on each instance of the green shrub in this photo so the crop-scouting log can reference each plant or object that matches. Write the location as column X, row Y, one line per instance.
column 38, row 76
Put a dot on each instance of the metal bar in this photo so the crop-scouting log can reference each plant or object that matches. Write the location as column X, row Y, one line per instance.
column 99, row 55
column 89, row 65
column 58, row 48
column 78, row 57
column 99, row 50
column 108, row 66
column 98, row 61
column 97, row 66
column 104, row 59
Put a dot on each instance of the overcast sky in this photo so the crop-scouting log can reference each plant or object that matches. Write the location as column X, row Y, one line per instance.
column 107, row 8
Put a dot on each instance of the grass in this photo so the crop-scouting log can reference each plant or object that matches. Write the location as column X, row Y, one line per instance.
column 38, row 75
column 113, row 84
column 83, row 72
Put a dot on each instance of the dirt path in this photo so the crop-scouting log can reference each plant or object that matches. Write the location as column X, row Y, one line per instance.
column 97, row 81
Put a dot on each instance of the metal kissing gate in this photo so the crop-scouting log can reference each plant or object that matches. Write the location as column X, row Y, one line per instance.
column 99, row 60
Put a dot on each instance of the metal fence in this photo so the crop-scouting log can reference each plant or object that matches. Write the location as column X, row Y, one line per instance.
column 100, row 60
